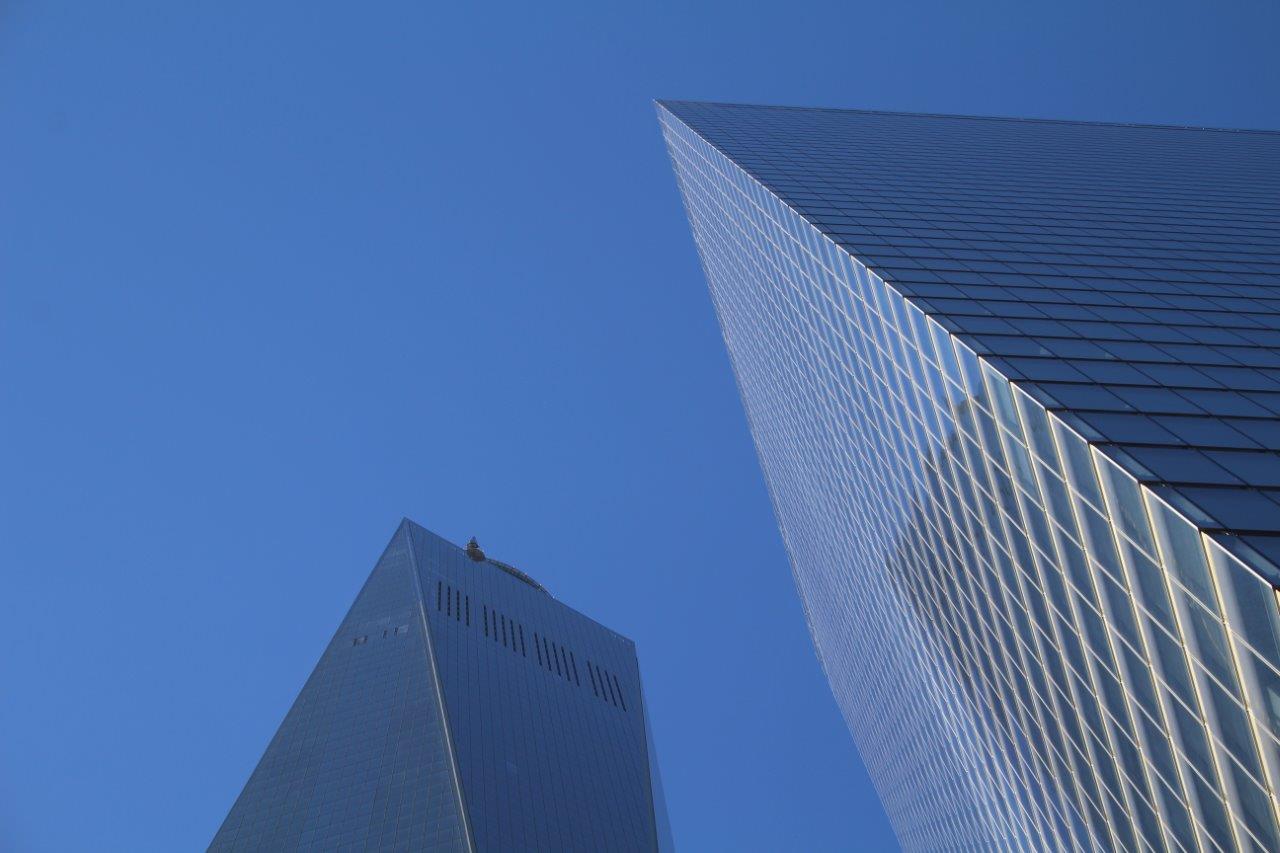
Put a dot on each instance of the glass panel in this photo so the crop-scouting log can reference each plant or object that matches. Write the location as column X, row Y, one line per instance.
column 1036, row 424
column 1182, row 552
column 1252, row 614
column 1078, row 464
column 1125, row 501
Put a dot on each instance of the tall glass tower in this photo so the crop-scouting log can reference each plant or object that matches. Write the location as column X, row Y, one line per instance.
column 459, row 707
column 1015, row 388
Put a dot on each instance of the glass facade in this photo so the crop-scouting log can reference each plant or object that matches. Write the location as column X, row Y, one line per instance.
column 1015, row 388
column 459, row 707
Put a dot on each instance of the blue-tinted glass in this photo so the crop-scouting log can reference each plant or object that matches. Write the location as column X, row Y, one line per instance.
column 1123, row 279
column 1125, row 502
column 1236, row 509
column 459, row 707
column 1254, row 469
column 1181, row 465
column 363, row 754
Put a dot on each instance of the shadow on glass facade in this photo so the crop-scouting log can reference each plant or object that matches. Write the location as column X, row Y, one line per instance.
column 1015, row 388
column 459, row 707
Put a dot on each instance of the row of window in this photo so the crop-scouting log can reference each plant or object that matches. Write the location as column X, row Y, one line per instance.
column 551, row 656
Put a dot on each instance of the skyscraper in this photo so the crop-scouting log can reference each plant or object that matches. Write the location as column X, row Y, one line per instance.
column 459, row 707
column 1015, row 388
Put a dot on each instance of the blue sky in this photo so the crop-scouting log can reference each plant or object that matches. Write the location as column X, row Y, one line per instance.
column 274, row 275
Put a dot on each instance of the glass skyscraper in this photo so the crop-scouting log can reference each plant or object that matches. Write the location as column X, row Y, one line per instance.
column 459, row 707
column 1015, row 388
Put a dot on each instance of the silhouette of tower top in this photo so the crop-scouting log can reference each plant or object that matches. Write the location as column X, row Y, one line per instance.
column 459, row 707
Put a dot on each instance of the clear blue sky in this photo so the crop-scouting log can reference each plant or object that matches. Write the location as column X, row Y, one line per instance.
column 273, row 275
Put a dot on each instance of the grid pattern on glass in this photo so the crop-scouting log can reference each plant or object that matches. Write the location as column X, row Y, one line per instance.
column 430, row 725
column 545, row 764
column 1032, row 649
column 1126, row 275
column 361, row 760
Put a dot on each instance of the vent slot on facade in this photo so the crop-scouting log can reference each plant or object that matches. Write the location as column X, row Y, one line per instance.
column 609, row 689
column 555, row 658
column 618, row 687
